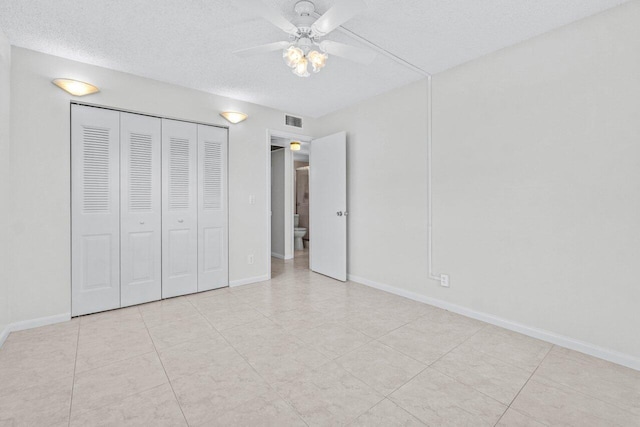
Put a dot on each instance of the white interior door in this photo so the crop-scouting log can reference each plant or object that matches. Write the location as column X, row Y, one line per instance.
column 179, row 208
column 95, row 210
column 328, row 206
column 212, row 208
column 140, row 244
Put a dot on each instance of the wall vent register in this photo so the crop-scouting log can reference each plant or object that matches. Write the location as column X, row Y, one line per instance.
column 293, row 121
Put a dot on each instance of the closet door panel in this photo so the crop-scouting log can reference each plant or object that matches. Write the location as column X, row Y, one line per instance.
column 212, row 208
column 95, row 210
column 141, row 228
column 179, row 208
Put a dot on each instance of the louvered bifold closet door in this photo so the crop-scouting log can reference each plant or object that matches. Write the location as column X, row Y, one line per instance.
column 95, row 210
column 212, row 208
column 141, row 228
column 179, row 208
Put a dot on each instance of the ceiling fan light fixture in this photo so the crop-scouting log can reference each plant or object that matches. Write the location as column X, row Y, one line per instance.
column 305, row 44
column 292, row 56
column 234, row 117
column 300, row 69
column 318, row 60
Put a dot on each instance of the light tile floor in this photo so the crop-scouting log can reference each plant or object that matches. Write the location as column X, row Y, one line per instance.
column 302, row 349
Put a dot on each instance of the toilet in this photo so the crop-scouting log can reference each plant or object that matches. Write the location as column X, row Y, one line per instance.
column 298, row 233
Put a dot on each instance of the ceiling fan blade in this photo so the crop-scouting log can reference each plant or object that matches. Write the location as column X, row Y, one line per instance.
column 337, row 15
column 271, row 15
column 256, row 50
column 345, row 51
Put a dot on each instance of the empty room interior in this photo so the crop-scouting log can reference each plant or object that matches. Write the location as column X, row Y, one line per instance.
column 320, row 213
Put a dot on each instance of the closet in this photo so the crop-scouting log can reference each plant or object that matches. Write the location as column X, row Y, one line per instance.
column 149, row 213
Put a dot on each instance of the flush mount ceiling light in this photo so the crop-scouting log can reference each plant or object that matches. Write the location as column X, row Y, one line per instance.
column 295, row 146
column 234, row 116
column 305, row 45
column 76, row 87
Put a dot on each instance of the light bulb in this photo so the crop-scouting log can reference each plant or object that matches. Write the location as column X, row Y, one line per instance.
column 300, row 69
column 318, row 60
column 292, row 56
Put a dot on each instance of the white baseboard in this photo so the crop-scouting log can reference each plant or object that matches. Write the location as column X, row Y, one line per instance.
column 248, row 281
column 563, row 341
column 33, row 323
column 279, row 256
column 4, row 334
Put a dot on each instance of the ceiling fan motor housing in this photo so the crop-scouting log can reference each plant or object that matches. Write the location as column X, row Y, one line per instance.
column 304, row 7
column 305, row 11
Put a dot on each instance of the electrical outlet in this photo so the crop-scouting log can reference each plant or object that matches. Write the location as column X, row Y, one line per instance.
column 250, row 259
column 444, row 280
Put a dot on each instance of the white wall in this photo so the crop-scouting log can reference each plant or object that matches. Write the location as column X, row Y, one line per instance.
column 536, row 185
column 5, row 176
column 537, row 181
column 40, row 229
column 387, row 184
column 277, row 203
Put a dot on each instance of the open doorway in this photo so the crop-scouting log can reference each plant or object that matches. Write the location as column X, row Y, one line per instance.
column 288, row 189
column 301, row 229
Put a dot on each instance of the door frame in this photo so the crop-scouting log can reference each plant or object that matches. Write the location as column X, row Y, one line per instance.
column 289, row 171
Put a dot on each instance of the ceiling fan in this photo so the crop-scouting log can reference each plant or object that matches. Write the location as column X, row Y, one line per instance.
column 306, row 42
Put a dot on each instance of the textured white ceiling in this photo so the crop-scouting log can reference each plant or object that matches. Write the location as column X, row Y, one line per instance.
column 189, row 42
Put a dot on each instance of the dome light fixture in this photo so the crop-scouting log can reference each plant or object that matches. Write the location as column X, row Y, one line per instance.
column 76, row 87
column 295, row 146
column 234, row 117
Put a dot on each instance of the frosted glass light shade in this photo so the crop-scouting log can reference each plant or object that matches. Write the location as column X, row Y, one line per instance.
column 300, row 69
column 295, row 146
column 318, row 60
column 76, row 87
column 292, row 56
column 234, row 116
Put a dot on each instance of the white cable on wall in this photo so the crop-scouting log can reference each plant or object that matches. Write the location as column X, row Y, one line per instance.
column 442, row 278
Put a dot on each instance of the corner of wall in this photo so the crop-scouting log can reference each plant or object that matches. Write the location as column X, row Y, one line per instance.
column 5, row 175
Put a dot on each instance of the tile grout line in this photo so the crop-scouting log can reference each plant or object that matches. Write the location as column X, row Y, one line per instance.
column 580, row 392
column 73, row 380
column 523, row 386
column 163, row 368
column 429, row 365
column 247, row 362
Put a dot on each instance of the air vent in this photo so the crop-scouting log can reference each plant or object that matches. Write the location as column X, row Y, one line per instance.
column 212, row 193
column 140, row 172
column 179, row 173
column 96, row 170
column 293, row 121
